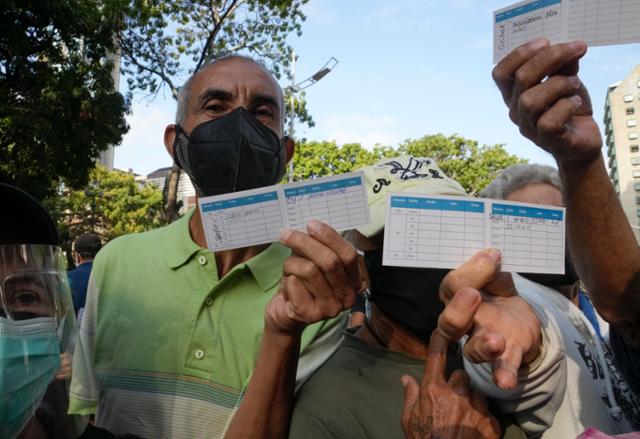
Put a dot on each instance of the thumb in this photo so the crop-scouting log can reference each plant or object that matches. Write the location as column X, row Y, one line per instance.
column 411, row 394
column 411, row 391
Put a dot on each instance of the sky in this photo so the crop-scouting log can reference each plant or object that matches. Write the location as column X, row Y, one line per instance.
column 407, row 68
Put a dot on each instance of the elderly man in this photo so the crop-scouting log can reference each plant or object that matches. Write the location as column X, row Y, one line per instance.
column 171, row 331
column 357, row 393
column 549, row 103
column 540, row 184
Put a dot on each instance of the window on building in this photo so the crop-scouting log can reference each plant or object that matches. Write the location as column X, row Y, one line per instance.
column 635, row 161
column 632, row 122
column 633, row 135
column 636, row 174
column 636, row 185
column 637, row 199
column 628, row 98
column 634, row 148
column 630, row 111
column 638, row 84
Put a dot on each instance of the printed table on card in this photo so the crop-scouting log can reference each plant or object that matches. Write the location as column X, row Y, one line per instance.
column 444, row 232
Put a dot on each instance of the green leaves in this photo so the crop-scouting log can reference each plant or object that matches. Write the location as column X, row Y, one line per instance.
column 112, row 204
column 59, row 109
column 472, row 165
column 168, row 40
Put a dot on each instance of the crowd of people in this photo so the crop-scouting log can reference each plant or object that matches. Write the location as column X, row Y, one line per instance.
column 175, row 341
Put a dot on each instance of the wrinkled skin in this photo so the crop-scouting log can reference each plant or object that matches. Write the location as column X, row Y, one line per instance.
column 443, row 409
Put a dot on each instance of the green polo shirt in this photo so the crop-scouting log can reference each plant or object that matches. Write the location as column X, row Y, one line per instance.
column 166, row 347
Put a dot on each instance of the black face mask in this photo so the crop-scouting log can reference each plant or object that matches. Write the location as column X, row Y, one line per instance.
column 230, row 154
column 409, row 296
column 556, row 280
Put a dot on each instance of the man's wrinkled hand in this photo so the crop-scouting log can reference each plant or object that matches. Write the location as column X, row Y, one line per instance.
column 438, row 408
column 547, row 99
column 320, row 279
column 482, row 302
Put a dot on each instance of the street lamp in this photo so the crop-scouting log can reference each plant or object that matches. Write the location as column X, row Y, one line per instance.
column 295, row 88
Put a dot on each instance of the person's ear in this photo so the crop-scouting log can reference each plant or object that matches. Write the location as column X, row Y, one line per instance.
column 290, row 147
column 170, row 133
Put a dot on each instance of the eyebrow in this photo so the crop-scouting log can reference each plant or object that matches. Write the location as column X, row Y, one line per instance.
column 224, row 95
column 265, row 99
column 213, row 93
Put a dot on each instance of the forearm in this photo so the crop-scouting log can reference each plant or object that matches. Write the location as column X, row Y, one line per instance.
column 603, row 246
column 265, row 411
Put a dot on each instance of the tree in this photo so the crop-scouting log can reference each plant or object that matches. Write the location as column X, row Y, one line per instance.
column 112, row 204
column 464, row 160
column 59, row 109
column 319, row 159
column 472, row 165
column 162, row 41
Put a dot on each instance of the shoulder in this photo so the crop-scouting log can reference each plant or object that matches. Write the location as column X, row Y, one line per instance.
column 130, row 246
column 128, row 252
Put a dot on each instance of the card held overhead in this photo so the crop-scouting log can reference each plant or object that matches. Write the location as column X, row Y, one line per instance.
column 444, row 232
column 597, row 22
column 257, row 216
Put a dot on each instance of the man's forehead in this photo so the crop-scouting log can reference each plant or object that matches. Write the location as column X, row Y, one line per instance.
column 234, row 75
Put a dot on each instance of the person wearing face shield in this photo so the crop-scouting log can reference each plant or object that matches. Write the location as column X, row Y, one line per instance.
column 37, row 326
column 179, row 342
column 37, row 329
column 358, row 392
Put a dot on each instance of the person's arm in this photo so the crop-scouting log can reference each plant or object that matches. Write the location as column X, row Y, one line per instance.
column 552, row 108
column 320, row 280
column 513, row 352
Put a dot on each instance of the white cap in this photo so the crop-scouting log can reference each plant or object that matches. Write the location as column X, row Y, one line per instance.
column 403, row 174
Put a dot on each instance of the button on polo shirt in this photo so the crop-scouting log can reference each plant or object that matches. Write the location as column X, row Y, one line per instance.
column 162, row 330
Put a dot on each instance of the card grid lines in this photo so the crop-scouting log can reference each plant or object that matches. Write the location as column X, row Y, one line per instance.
column 440, row 232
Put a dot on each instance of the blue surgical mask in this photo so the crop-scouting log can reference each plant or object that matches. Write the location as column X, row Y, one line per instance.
column 29, row 359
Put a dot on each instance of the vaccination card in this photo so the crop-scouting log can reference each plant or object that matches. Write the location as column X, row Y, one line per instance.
column 597, row 22
column 444, row 232
column 257, row 216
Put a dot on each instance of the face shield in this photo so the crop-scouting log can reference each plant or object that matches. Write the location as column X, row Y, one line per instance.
column 37, row 330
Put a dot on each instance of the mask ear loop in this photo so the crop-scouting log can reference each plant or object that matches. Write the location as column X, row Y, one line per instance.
column 177, row 156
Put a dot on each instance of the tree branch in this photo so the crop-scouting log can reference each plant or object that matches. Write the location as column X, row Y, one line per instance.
column 216, row 29
column 160, row 73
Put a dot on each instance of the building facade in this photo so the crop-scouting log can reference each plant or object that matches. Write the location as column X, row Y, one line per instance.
column 622, row 133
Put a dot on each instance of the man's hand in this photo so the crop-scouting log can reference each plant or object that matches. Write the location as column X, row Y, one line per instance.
column 441, row 409
column 321, row 279
column 483, row 303
column 547, row 100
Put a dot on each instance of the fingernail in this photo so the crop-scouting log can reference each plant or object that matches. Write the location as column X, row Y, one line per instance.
column 575, row 81
column 577, row 45
column 505, row 384
column 404, row 380
column 538, row 43
column 285, row 234
column 313, row 226
column 576, row 101
column 495, row 255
